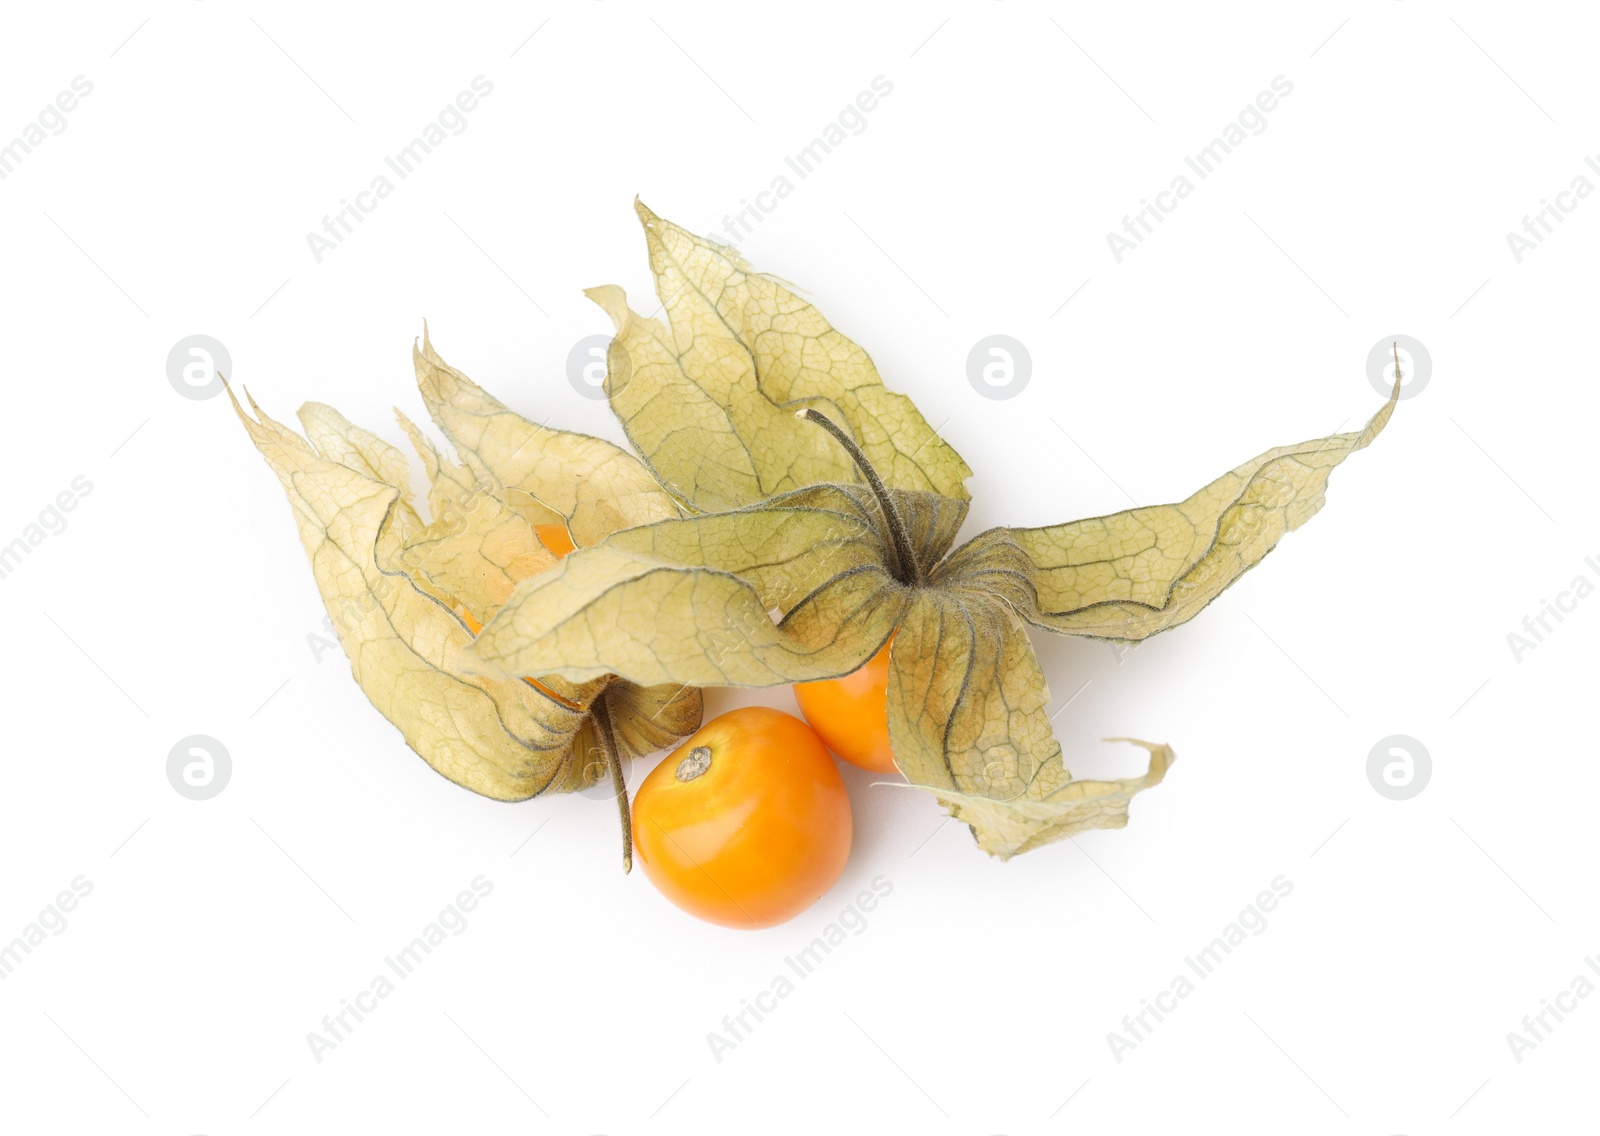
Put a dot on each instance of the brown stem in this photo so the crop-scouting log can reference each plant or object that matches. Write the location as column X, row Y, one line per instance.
column 608, row 746
column 908, row 571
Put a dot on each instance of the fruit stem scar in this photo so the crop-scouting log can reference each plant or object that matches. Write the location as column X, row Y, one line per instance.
column 906, row 568
column 698, row 761
column 608, row 746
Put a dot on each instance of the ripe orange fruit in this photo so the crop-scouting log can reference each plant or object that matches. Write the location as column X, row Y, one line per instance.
column 554, row 537
column 851, row 714
column 747, row 823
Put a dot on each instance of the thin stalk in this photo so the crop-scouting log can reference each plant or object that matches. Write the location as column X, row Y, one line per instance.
column 910, row 572
column 608, row 746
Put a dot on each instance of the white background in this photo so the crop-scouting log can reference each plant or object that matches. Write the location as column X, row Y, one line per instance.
column 977, row 201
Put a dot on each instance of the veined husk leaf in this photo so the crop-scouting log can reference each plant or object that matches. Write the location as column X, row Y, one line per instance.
column 693, row 597
column 1130, row 575
column 405, row 596
column 339, row 440
column 688, row 601
column 548, row 475
column 708, row 396
column 476, row 548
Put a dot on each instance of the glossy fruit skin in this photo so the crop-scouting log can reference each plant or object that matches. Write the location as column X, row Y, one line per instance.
column 851, row 714
column 554, row 537
column 758, row 837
